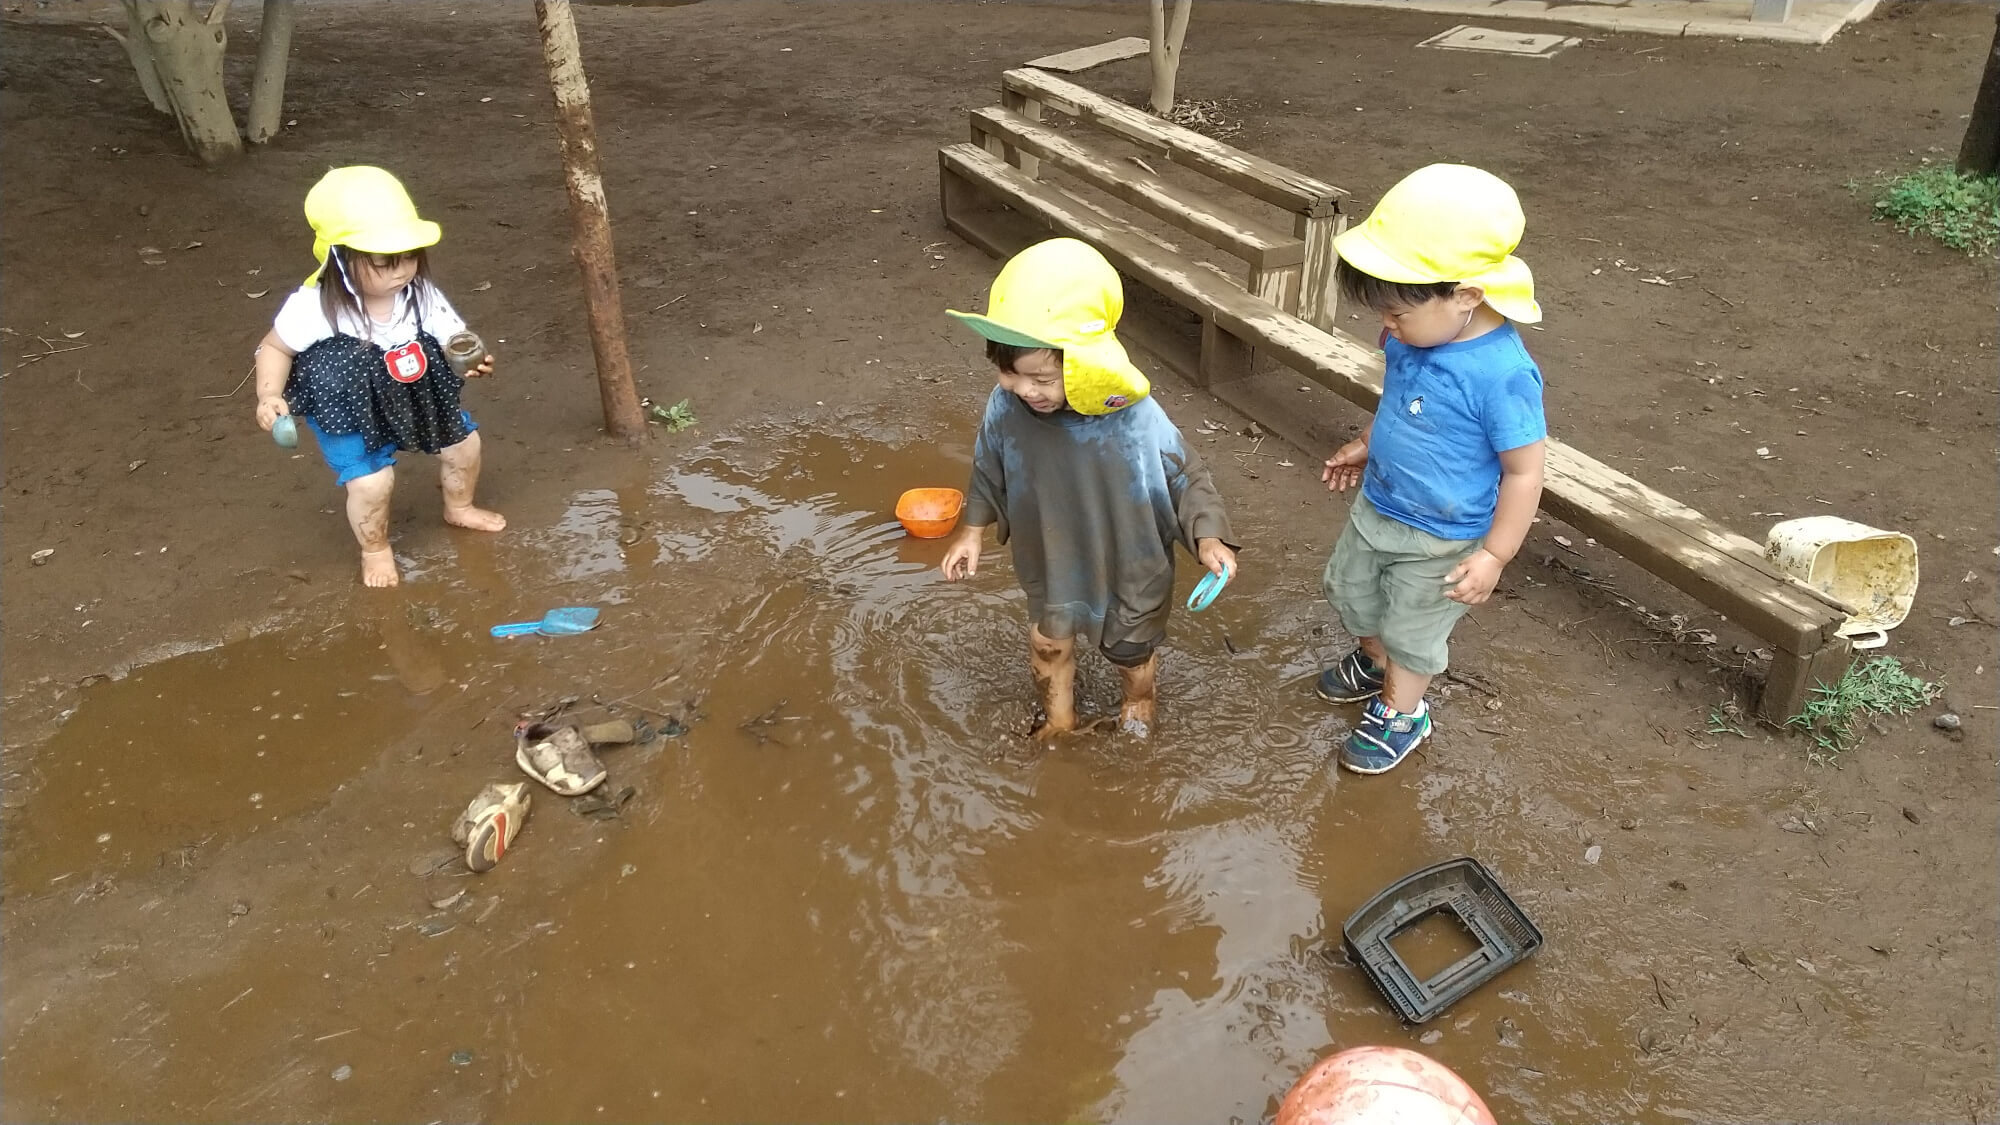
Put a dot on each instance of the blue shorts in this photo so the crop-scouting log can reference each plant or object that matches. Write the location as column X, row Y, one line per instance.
column 347, row 454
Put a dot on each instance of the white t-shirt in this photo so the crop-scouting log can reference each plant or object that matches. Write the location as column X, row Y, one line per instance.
column 302, row 321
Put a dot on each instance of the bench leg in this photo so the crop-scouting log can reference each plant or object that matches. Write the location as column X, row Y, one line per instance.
column 1317, row 295
column 1223, row 356
column 1793, row 677
column 1279, row 286
column 1027, row 107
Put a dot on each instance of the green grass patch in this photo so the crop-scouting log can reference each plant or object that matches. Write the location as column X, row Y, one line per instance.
column 1962, row 212
column 1835, row 717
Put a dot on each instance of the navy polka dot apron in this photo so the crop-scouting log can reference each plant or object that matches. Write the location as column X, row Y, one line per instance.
column 405, row 396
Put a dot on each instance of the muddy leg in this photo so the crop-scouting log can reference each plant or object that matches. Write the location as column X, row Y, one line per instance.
column 1054, row 666
column 368, row 514
column 1135, row 713
column 458, row 473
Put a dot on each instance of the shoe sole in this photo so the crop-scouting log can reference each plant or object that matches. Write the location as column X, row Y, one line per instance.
column 1371, row 771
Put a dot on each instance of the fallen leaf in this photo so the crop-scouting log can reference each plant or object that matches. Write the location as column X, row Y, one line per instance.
column 482, row 287
column 1563, row 541
column 1592, row 853
column 1808, row 966
column 189, row 246
column 73, row 335
column 484, row 100
column 42, row 556
column 135, row 466
column 258, row 293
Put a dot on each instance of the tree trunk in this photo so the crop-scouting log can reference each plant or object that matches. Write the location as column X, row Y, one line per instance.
column 186, row 51
column 133, row 39
column 592, row 222
column 1979, row 153
column 267, row 89
column 1166, row 52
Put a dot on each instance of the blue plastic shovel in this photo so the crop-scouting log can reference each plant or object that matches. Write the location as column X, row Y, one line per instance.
column 1205, row 591
column 562, row 622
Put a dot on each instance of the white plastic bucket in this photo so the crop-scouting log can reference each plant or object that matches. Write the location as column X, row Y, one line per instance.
column 1874, row 571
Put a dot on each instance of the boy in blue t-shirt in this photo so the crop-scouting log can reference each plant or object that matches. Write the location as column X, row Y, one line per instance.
column 1451, row 467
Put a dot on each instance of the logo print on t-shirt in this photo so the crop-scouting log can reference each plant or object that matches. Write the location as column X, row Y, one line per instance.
column 1417, row 405
column 407, row 363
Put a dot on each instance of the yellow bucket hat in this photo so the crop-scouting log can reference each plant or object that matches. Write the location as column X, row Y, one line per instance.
column 1448, row 222
column 365, row 209
column 1062, row 294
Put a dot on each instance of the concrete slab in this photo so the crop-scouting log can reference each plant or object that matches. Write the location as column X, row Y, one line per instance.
column 1811, row 21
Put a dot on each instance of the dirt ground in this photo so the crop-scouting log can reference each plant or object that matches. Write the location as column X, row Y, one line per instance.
column 1764, row 938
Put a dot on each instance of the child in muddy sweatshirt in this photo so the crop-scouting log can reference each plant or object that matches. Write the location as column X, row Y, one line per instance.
column 1085, row 477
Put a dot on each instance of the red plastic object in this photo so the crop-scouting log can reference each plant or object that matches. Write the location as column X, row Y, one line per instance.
column 1382, row 1086
column 930, row 513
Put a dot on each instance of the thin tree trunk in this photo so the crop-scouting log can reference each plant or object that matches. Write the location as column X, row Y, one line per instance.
column 1166, row 53
column 592, row 222
column 1979, row 153
column 187, row 50
column 133, row 39
column 267, row 89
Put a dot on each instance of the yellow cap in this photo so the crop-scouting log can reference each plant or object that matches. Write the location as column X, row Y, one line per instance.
column 1062, row 294
column 365, row 209
column 1448, row 222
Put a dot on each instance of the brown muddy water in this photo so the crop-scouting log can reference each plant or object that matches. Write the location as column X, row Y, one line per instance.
column 851, row 891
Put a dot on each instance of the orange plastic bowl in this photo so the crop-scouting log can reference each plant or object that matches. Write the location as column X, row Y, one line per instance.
column 930, row 513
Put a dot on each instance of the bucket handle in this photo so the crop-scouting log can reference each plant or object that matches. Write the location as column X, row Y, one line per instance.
column 1873, row 638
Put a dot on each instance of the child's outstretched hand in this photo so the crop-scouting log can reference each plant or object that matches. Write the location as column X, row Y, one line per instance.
column 1343, row 469
column 1472, row 581
column 1217, row 557
column 268, row 410
column 961, row 555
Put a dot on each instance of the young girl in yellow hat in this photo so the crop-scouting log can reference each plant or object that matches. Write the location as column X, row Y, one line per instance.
column 1451, row 467
column 357, row 353
column 1083, row 474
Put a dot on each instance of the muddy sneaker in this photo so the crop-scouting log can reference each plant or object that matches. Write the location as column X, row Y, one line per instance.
column 1352, row 680
column 489, row 824
column 558, row 758
column 1385, row 737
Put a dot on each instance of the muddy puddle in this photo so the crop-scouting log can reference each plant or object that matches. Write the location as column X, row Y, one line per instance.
column 849, row 891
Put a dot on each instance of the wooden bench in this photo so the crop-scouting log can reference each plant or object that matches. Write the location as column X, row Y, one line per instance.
column 1292, row 271
column 1717, row 567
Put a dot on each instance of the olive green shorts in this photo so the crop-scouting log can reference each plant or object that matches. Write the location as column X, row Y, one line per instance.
column 1386, row 580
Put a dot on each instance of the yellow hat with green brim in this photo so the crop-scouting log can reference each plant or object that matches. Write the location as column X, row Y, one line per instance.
column 364, row 209
column 1448, row 222
column 1063, row 295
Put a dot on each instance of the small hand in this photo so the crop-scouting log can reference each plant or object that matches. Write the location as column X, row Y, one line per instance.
column 1471, row 582
column 268, row 410
column 961, row 557
column 1217, row 557
column 485, row 368
column 1343, row 469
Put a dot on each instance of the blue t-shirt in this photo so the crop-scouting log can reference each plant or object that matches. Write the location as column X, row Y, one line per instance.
column 1447, row 414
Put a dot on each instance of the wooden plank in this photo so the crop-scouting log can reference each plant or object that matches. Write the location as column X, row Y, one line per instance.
column 1775, row 611
column 1272, row 183
column 1263, row 249
column 1224, row 357
column 1792, row 678
column 1318, row 298
column 1083, row 58
column 1030, row 109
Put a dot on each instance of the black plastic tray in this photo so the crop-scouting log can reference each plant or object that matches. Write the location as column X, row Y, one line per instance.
column 1464, row 887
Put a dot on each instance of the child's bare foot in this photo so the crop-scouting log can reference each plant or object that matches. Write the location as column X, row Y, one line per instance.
column 1136, row 718
column 477, row 519
column 1048, row 730
column 378, row 568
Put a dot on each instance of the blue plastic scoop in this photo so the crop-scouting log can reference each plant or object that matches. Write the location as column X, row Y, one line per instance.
column 562, row 622
column 1205, row 591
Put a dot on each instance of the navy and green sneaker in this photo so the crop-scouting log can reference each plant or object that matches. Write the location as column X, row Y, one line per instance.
column 1385, row 737
column 1352, row 680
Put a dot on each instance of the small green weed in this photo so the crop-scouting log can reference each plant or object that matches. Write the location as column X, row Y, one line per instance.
column 1833, row 716
column 1719, row 723
column 677, row 417
column 1963, row 212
